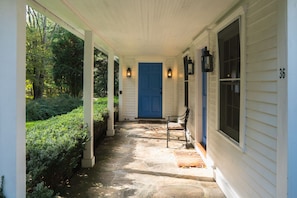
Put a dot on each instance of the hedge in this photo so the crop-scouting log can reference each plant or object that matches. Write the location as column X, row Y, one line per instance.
column 54, row 148
column 44, row 108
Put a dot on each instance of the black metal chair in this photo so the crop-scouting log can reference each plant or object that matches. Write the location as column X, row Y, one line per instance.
column 178, row 123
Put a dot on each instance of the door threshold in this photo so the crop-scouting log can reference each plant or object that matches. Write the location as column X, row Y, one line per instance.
column 202, row 149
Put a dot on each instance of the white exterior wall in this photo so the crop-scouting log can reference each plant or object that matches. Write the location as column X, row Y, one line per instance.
column 169, row 88
column 128, row 110
column 129, row 96
column 180, row 87
column 250, row 170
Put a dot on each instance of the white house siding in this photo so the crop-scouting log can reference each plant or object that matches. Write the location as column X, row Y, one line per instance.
column 129, row 96
column 250, row 171
column 129, row 109
column 180, row 103
column 169, row 88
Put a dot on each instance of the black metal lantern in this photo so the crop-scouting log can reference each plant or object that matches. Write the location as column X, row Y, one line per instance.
column 206, row 61
column 169, row 73
column 190, row 66
column 129, row 72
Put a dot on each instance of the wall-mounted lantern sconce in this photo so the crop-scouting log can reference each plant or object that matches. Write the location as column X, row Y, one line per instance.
column 129, row 72
column 169, row 73
column 190, row 66
column 206, row 61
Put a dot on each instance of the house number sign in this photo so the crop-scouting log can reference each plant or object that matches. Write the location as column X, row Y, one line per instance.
column 282, row 73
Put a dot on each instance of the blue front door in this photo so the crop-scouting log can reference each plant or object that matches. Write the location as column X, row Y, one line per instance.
column 204, row 107
column 150, row 90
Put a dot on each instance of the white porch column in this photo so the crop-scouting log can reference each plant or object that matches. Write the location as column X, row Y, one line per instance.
column 110, row 95
column 12, row 100
column 88, row 91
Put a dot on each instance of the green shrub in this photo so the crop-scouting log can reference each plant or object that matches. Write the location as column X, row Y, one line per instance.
column 100, row 109
column 41, row 191
column 44, row 108
column 54, row 148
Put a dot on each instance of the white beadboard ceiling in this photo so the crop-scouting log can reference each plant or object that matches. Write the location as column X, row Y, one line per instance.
column 136, row 27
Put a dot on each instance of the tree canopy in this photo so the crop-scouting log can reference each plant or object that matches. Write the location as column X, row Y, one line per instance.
column 39, row 32
column 54, row 61
column 68, row 52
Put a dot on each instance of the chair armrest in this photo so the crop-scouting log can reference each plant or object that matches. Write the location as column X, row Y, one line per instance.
column 178, row 118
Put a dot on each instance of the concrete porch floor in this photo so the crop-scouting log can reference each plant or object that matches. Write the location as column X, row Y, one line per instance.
column 136, row 163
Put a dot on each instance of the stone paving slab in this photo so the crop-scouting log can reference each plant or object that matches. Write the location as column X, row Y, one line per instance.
column 136, row 163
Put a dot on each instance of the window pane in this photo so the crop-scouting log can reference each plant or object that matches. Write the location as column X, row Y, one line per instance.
column 229, row 59
column 229, row 51
column 230, row 108
column 234, row 47
column 235, row 120
column 234, row 69
column 226, row 50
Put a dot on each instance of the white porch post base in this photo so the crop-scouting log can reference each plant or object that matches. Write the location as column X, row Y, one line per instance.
column 87, row 163
column 110, row 130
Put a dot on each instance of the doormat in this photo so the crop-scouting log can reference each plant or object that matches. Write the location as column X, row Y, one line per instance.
column 188, row 158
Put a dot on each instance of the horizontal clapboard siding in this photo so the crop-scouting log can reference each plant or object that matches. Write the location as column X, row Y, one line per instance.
column 261, row 94
column 180, row 86
column 169, row 89
column 252, row 172
column 128, row 110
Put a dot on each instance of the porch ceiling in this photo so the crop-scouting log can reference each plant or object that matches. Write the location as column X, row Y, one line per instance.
column 136, row 27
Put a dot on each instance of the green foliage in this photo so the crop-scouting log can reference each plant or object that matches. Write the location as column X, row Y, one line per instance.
column 54, row 61
column 40, row 190
column 68, row 53
column 54, row 148
column 1, row 187
column 101, row 74
column 100, row 109
column 31, row 124
column 39, row 31
column 42, row 109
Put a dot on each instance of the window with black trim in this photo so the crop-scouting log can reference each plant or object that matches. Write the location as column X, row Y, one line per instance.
column 229, row 80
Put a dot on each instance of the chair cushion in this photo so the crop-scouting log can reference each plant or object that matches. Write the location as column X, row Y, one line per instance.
column 175, row 126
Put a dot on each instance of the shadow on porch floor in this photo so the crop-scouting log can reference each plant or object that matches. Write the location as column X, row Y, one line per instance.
column 136, row 163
